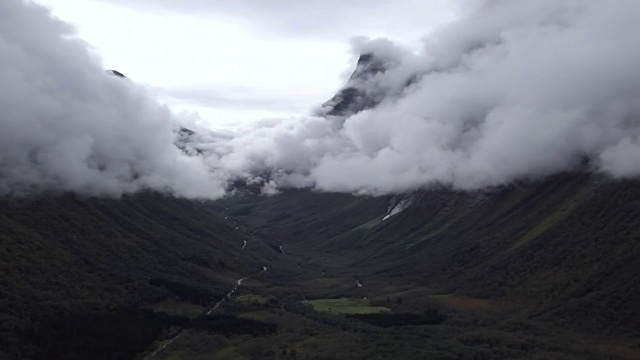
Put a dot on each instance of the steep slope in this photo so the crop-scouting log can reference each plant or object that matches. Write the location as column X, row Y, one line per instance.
column 545, row 268
column 569, row 244
column 567, row 247
column 353, row 97
column 66, row 258
column 303, row 217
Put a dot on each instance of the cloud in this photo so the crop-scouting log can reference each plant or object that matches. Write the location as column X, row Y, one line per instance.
column 514, row 90
column 332, row 18
column 67, row 126
column 236, row 98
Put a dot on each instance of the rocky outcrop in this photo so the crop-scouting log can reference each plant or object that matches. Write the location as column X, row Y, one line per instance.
column 354, row 97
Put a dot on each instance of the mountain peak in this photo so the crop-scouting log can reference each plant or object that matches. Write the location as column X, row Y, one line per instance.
column 115, row 73
column 353, row 97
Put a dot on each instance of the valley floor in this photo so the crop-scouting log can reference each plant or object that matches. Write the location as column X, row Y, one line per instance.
column 538, row 270
column 314, row 299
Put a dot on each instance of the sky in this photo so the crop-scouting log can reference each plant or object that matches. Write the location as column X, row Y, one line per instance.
column 238, row 61
column 507, row 91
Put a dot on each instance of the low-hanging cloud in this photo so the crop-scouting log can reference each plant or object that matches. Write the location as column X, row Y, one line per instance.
column 67, row 126
column 518, row 89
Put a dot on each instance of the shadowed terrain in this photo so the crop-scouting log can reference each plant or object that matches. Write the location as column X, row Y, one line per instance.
column 536, row 269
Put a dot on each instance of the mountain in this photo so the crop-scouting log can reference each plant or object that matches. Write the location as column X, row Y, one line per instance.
column 567, row 242
column 353, row 97
column 545, row 268
column 66, row 259
column 558, row 255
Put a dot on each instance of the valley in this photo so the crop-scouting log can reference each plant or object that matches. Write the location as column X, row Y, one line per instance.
column 471, row 191
column 536, row 270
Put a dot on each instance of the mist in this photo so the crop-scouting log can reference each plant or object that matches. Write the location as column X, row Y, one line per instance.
column 68, row 126
column 511, row 90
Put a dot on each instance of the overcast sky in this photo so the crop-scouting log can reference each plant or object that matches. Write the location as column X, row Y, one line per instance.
column 244, row 60
column 508, row 90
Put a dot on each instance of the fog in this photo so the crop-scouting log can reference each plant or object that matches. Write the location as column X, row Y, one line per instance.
column 512, row 90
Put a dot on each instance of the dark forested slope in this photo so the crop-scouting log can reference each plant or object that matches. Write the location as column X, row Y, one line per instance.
column 81, row 276
column 568, row 246
column 67, row 259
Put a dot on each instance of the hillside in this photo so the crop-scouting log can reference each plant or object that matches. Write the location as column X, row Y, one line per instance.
column 66, row 257
column 536, row 269
column 474, row 195
column 564, row 249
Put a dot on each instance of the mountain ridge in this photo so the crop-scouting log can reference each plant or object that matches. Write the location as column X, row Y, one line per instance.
column 492, row 244
column 353, row 97
column 539, row 268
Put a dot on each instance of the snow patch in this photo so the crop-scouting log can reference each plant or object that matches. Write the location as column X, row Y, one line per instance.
column 398, row 204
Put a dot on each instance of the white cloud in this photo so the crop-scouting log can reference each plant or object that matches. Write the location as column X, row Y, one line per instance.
column 516, row 90
column 215, row 53
column 338, row 19
column 68, row 126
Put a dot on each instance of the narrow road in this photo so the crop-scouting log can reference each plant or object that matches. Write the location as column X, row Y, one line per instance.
column 233, row 290
column 153, row 354
column 238, row 283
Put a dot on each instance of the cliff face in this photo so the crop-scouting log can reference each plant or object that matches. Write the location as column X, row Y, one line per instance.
column 354, row 97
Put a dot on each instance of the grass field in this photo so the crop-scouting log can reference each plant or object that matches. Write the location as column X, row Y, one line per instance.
column 346, row 306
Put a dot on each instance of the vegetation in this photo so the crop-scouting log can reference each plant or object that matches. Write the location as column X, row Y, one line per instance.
column 429, row 317
column 231, row 325
column 345, row 306
column 536, row 270
column 66, row 259
column 118, row 335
